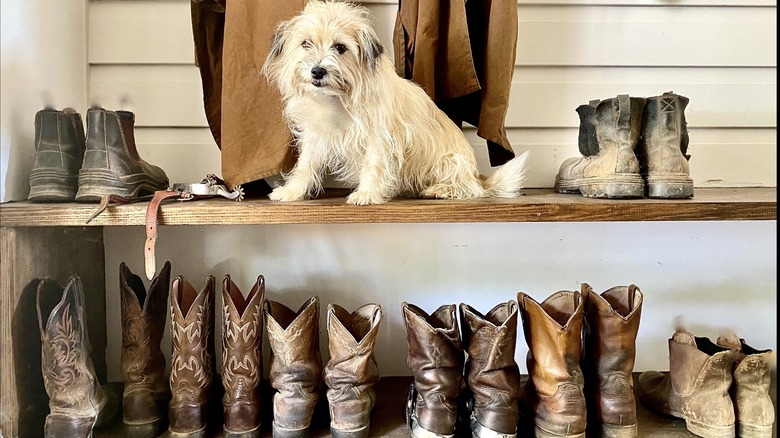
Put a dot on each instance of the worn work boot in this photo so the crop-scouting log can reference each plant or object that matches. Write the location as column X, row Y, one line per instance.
column 436, row 360
column 296, row 365
column 753, row 408
column 242, row 334
column 663, row 147
column 492, row 375
column 611, row 327
column 111, row 161
column 192, row 357
column 553, row 399
column 351, row 372
column 147, row 393
column 696, row 388
column 59, row 151
column 613, row 172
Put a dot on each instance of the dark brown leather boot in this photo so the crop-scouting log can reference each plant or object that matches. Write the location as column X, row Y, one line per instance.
column 192, row 357
column 242, row 333
column 111, row 161
column 351, row 372
column 147, row 393
column 436, row 360
column 296, row 365
column 59, row 152
column 553, row 399
column 611, row 327
column 492, row 374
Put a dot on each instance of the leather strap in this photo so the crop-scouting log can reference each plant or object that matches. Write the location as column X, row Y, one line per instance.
column 105, row 200
column 151, row 227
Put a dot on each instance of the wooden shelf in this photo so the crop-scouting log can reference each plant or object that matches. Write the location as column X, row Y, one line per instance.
column 536, row 205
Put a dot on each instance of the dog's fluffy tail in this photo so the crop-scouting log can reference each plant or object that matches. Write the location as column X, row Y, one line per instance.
column 508, row 179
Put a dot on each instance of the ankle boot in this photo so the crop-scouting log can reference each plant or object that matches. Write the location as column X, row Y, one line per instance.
column 696, row 388
column 192, row 357
column 492, row 375
column 146, row 393
column 351, row 372
column 111, row 161
column 241, row 358
column 436, row 360
column 588, row 145
column 59, row 151
column 663, row 147
column 296, row 365
column 553, row 399
column 611, row 327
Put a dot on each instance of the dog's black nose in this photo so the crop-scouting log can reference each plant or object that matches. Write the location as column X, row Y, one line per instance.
column 318, row 72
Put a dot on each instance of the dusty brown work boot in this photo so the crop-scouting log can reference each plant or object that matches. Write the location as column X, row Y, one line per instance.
column 436, row 360
column 146, row 393
column 492, row 375
column 296, row 365
column 696, row 388
column 753, row 408
column 351, row 372
column 242, row 334
column 553, row 399
column 611, row 327
column 192, row 357
column 59, row 152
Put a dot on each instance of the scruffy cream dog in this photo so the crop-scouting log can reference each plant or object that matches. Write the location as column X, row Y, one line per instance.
column 353, row 115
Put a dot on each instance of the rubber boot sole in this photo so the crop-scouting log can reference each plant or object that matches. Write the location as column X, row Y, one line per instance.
column 95, row 183
column 669, row 186
column 52, row 185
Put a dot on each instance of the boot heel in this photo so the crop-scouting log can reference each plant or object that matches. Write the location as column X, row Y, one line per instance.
column 281, row 432
column 541, row 433
column 708, row 430
column 619, row 186
column 611, row 431
column 254, row 433
column 146, row 430
column 352, row 433
column 670, row 187
column 52, row 185
column 95, row 183
column 754, row 430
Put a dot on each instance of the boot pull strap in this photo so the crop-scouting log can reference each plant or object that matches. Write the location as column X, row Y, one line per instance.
column 631, row 293
column 624, row 110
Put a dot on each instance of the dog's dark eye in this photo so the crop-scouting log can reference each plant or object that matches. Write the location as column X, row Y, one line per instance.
column 306, row 44
column 341, row 48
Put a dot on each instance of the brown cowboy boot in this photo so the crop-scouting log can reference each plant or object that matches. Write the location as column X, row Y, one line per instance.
column 492, row 374
column 296, row 365
column 351, row 372
column 436, row 360
column 59, row 152
column 241, row 358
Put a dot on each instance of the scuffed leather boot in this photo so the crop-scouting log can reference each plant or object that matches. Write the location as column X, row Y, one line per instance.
column 696, row 387
column 613, row 172
column 146, row 393
column 192, row 357
column 296, row 365
column 611, row 327
column 436, row 360
column 111, row 161
column 553, row 399
column 492, row 374
column 59, row 152
column 351, row 372
column 663, row 147
column 241, row 358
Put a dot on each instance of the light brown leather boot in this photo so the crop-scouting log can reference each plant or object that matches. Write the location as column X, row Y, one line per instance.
column 436, row 360
column 492, row 374
column 242, row 334
column 553, row 399
column 351, row 372
column 296, row 365
column 611, row 327
column 696, row 387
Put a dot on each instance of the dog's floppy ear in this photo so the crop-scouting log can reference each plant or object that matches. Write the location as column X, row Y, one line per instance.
column 370, row 47
column 278, row 42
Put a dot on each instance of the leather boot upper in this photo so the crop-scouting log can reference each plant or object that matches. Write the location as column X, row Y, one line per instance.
column 59, row 140
column 663, row 146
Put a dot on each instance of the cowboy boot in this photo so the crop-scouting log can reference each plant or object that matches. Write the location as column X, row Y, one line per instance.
column 663, row 147
column 696, row 388
column 553, row 397
column 241, row 358
column 146, row 393
column 436, row 360
column 192, row 357
column 492, row 374
column 611, row 327
column 296, row 365
column 351, row 372
column 111, row 161
column 59, row 151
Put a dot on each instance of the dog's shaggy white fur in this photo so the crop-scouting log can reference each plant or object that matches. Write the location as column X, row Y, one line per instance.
column 353, row 115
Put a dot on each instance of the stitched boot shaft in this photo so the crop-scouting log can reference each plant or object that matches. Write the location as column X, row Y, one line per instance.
column 611, row 327
column 491, row 372
column 351, row 372
column 553, row 397
column 59, row 152
column 241, row 358
column 663, row 147
column 436, row 360
column 296, row 365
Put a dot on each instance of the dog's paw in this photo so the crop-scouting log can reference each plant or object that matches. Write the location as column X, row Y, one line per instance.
column 364, row 198
column 439, row 191
column 286, row 194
